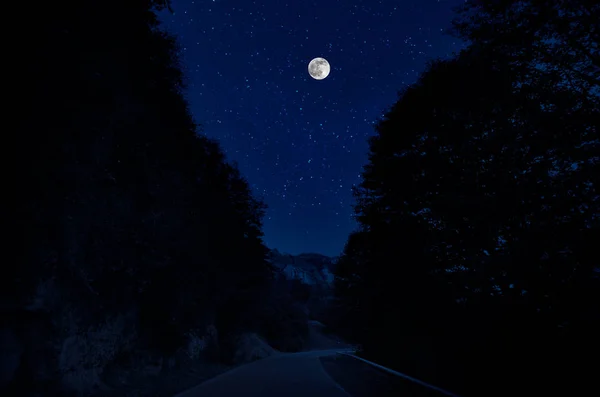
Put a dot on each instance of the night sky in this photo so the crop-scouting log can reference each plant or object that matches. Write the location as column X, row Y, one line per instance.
column 300, row 142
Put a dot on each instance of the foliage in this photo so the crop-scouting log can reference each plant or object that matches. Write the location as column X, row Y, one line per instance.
column 478, row 207
column 123, row 204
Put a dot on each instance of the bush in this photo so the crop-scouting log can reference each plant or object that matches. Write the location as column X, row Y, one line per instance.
column 203, row 344
column 196, row 345
column 84, row 356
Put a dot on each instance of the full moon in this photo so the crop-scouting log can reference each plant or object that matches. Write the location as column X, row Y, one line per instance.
column 319, row 68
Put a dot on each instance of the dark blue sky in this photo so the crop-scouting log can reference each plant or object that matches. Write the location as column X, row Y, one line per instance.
column 300, row 142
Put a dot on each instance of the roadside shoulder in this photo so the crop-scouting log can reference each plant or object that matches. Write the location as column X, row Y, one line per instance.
column 360, row 379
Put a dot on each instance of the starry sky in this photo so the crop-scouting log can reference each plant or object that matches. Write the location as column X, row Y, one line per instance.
column 301, row 143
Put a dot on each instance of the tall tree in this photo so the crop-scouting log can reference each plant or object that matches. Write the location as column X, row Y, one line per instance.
column 555, row 38
column 125, row 208
column 480, row 207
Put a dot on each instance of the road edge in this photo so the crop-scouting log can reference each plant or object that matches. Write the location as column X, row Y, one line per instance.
column 396, row 373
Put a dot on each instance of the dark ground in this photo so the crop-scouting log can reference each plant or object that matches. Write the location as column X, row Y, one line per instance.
column 165, row 384
column 360, row 379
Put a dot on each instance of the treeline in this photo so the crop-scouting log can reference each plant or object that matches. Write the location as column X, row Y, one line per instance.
column 475, row 266
column 133, row 230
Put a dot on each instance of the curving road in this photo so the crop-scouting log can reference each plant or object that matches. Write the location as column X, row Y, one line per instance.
column 318, row 372
column 286, row 374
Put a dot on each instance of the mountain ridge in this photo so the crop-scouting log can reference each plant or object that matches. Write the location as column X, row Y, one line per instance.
column 310, row 268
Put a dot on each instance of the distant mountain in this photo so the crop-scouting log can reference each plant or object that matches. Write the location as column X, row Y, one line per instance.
column 310, row 268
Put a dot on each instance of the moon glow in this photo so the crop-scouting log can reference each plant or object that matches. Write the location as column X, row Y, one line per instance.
column 319, row 68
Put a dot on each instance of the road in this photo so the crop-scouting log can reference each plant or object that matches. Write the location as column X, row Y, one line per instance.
column 286, row 374
column 318, row 372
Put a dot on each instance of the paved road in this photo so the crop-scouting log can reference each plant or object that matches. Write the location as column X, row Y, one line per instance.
column 317, row 372
column 286, row 374
column 361, row 379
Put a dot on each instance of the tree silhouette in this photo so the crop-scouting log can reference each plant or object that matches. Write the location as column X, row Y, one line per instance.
column 126, row 210
column 477, row 209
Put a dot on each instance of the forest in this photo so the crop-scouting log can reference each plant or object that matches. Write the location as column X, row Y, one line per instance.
column 133, row 230
column 474, row 266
